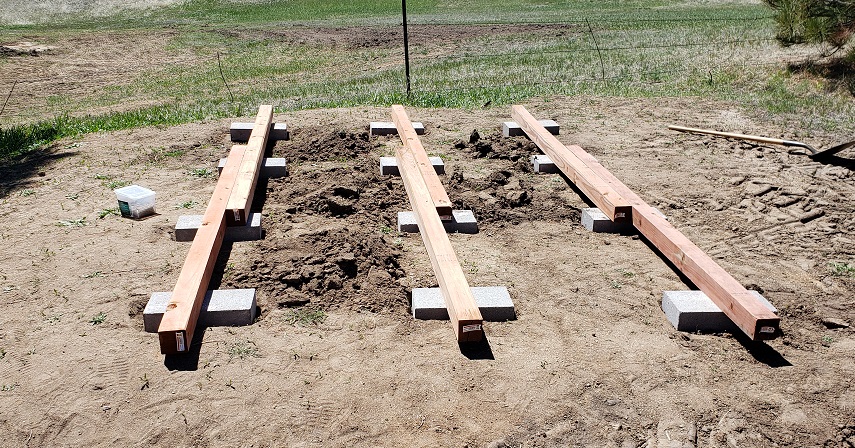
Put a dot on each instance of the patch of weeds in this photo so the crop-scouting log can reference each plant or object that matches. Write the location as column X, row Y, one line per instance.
column 72, row 196
column 2, row 353
column 111, row 183
column 99, row 318
column 627, row 273
column 472, row 268
column 243, row 349
column 385, row 230
column 842, row 269
column 107, row 212
column 228, row 271
column 187, row 204
column 616, row 284
column 827, row 340
column 27, row 192
column 305, row 317
column 114, row 184
column 145, row 382
column 160, row 154
column 8, row 387
column 93, row 275
column 72, row 222
column 201, row 173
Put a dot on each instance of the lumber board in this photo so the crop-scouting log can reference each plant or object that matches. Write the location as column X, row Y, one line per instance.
column 411, row 141
column 237, row 210
column 593, row 186
column 748, row 313
column 182, row 312
column 465, row 317
column 751, row 316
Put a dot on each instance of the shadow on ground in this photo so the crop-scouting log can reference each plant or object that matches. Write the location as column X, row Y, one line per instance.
column 20, row 172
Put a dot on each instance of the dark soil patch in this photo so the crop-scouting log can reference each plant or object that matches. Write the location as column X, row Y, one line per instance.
column 512, row 194
column 391, row 36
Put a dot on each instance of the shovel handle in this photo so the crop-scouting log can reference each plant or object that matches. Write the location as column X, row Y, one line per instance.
column 756, row 138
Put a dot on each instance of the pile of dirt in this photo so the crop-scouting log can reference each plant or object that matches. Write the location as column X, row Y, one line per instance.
column 319, row 144
column 495, row 146
column 351, row 268
column 24, row 49
column 512, row 194
column 352, row 262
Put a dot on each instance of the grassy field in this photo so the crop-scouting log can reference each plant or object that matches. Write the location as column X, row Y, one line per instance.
column 297, row 55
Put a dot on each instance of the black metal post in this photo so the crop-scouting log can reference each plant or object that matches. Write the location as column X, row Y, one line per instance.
column 406, row 45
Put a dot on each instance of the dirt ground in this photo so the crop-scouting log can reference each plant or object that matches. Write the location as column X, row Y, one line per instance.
column 590, row 361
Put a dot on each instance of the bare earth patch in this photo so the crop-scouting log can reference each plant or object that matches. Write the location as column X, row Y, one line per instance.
column 591, row 361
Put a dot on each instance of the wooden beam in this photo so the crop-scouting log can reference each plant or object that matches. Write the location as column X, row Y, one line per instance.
column 463, row 312
column 595, row 188
column 240, row 201
column 182, row 312
column 414, row 146
column 751, row 316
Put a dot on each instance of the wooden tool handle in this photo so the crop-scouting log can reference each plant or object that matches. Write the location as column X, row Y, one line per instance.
column 756, row 138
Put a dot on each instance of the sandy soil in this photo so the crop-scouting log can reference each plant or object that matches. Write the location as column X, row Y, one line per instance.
column 590, row 361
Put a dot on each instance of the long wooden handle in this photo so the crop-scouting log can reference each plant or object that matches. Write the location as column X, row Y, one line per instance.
column 774, row 141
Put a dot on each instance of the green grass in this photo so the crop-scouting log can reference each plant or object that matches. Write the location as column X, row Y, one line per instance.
column 108, row 212
column 243, row 349
column 641, row 48
column 305, row 316
column 99, row 318
column 72, row 222
column 839, row 269
column 202, row 173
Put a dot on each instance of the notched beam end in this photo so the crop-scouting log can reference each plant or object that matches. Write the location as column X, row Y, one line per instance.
column 173, row 342
column 623, row 214
column 767, row 329
column 470, row 330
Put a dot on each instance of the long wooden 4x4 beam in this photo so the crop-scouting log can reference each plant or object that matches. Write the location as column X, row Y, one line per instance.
column 182, row 312
column 752, row 317
column 237, row 210
column 464, row 314
column 411, row 140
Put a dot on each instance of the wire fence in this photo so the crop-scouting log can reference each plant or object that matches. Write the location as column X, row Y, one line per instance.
column 651, row 60
column 583, row 54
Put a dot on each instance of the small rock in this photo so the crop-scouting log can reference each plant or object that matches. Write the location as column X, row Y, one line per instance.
column 499, row 177
column 498, row 444
column 518, row 198
column 346, row 192
column 785, row 201
column 339, row 206
column 474, row 136
column 753, row 189
column 832, row 323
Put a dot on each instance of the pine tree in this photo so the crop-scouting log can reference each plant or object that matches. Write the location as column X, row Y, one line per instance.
column 815, row 21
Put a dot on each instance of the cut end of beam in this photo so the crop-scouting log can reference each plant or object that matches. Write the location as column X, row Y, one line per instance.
column 173, row 342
